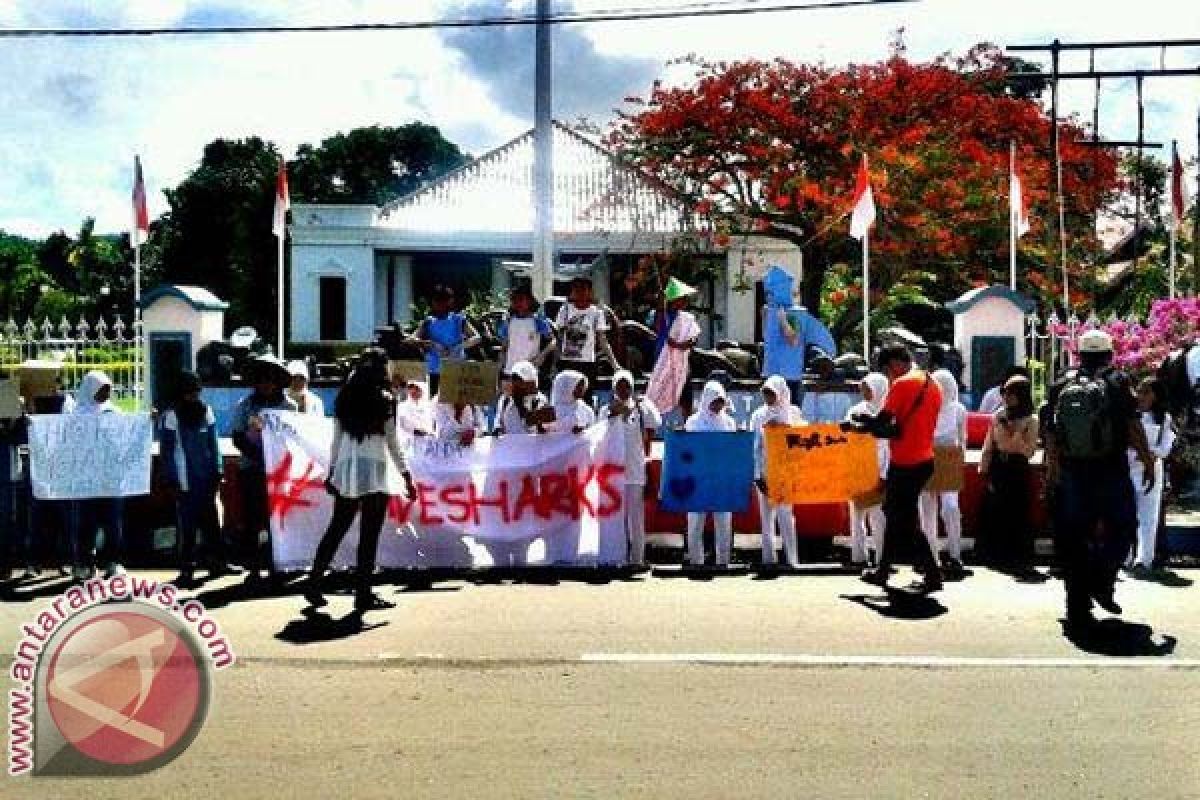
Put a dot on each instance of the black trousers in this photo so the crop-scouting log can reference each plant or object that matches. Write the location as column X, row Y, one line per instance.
column 345, row 509
column 1095, row 525
column 902, row 491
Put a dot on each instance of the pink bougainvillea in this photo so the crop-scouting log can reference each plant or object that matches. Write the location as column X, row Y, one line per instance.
column 1142, row 348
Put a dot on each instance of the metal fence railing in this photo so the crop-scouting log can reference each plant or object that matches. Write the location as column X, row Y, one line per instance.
column 117, row 349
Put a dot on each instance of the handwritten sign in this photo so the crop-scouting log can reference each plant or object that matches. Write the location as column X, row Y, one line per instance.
column 10, row 400
column 79, row 456
column 407, row 371
column 471, row 382
column 707, row 471
column 813, row 464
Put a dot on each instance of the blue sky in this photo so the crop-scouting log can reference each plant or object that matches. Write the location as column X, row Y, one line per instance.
column 77, row 110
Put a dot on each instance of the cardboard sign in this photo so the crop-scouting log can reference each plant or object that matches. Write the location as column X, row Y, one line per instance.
column 811, row 464
column 10, row 400
column 471, row 382
column 79, row 456
column 408, row 371
column 39, row 379
column 947, row 470
column 707, row 471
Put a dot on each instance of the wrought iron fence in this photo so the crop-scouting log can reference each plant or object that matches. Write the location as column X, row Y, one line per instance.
column 117, row 349
column 1053, row 342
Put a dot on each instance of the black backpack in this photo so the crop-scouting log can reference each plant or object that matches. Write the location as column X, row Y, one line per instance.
column 1083, row 420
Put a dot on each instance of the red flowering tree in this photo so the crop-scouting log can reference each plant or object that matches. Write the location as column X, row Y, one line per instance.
column 772, row 147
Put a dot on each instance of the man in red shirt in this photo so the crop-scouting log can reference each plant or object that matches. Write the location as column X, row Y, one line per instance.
column 907, row 421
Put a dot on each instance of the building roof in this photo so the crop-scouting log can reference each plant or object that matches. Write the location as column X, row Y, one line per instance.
column 593, row 192
column 197, row 297
column 970, row 299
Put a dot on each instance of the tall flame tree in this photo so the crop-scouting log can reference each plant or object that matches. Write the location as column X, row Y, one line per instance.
column 771, row 148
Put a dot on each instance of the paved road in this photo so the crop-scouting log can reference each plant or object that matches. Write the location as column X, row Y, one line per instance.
column 814, row 685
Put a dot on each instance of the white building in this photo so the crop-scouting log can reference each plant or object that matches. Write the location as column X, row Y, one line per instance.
column 355, row 268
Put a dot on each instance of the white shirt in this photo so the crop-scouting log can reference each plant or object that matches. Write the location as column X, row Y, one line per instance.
column 643, row 417
column 578, row 330
column 951, row 430
column 447, row 426
column 580, row 415
column 371, row 466
column 509, row 419
column 414, row 416
column 1192, row 360
column 883, row 453
column 308, row 402
column 523, row 340
column 1160, row 447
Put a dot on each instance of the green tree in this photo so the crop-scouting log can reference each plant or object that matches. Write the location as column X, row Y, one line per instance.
column 372, row 165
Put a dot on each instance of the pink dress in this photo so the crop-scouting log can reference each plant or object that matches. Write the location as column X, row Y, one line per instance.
column 670, row 373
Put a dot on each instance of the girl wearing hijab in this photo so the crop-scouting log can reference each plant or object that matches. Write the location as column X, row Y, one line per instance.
column 86, row 517
column 191, row 459
column 712, row 415
column 307, row 401
column 366, row 468
column 866, row 514
column 519, row 412
column 571, row 413
column 414, row 415
column 778, row 410
column 1160, row 434
column 950, row 434
column 638, row 419
column 1011, row 442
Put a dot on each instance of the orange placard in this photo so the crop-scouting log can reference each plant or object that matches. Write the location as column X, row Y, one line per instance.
column 811, row 464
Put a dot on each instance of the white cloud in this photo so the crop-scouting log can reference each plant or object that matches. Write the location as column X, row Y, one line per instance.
column 77, row 110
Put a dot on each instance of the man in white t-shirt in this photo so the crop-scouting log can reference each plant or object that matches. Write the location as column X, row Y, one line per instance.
column 583, row 328
column 524, row 334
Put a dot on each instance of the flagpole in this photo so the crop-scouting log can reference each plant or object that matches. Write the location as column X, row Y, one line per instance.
column 1013, row 211
column 279, row 276
column 866, row 256
column 1175, row 222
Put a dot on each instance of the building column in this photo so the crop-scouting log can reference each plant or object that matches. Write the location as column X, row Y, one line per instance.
column 402, row 291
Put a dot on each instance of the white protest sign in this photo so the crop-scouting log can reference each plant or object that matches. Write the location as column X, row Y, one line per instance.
column 561, row 491
column 79, row 456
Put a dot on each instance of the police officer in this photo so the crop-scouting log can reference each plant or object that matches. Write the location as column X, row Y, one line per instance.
column 1092, row 421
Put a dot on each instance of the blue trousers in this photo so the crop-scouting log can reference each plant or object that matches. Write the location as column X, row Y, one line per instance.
column 1095, row 525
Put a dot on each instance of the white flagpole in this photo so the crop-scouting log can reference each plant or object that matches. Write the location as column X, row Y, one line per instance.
column 1013, row 217
column 279, row 246
column 866, row 256
column 1175, row 223
column 137, row 253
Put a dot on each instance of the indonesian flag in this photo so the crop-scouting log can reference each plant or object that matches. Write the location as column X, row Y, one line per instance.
column 1018, row 209
column 863, row 216
column 1176, row 189
column 283, row 202
column 141, row 217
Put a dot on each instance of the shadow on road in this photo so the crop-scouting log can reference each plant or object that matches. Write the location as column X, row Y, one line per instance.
column 899, row 604
column 317, row 626
column 1118, row 638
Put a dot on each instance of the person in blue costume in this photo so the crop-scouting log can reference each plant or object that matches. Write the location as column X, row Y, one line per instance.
column 444, row 335
column 788, row 330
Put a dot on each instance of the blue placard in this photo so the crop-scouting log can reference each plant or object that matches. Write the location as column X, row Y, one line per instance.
column 707, row 471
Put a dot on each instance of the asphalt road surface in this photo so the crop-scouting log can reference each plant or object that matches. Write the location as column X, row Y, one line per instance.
column 804, row 686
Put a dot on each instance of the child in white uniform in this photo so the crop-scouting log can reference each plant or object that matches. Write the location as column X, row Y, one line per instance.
column 870, row 520
column 951, row 431
column 778, row 410
column 711, row 415
column 458, row 422
column 571, row 413
column 640, row 419
column 1160, row 435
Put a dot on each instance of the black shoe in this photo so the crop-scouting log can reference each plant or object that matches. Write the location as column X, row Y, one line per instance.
column 952, row 565
column 1108, row 603
column 875, row 577
column 373, row 602
column 1080, row 622
column 927, row 586
column 186, row 579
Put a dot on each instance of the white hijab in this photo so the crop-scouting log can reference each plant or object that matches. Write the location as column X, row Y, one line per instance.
column 878, row 384
column 781, row 409
column 562, row 393
column 945, row 381
column 85, row 395
column 626, row 375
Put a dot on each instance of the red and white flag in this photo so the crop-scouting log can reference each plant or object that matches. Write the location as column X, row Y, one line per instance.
column 1018, row 210
column 863, row 216
column 283, row 202
column 141, row 217
column 1176, row 189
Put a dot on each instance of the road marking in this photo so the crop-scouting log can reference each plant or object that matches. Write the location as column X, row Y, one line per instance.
column 900, row 661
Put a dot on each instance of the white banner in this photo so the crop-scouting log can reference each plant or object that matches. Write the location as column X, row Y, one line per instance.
column 512, row 501
column 77, row 456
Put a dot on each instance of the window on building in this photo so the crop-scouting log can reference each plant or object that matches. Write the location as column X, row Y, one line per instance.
column 333, row 309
